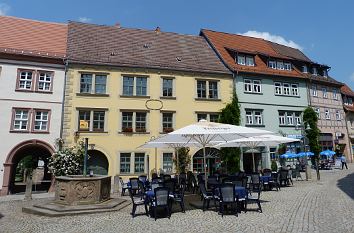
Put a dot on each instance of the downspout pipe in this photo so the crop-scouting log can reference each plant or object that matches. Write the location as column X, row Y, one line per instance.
column 66, row 63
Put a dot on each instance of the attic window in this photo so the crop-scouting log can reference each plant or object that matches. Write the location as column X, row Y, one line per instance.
column 325, row 73
column 314, row 71
column 113, row 54
column 146, row 46
column 304, row 69
column 178, row 59
column 245, row 60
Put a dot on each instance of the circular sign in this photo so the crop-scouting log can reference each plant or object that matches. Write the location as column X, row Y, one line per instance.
column 154, row 104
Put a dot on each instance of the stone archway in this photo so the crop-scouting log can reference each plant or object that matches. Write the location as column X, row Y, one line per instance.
column 213, row 160
column 39, row 151
column 97, row 162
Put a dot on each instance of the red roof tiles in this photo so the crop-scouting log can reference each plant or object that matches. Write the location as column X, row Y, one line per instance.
column 33, row 38
column 346, row 90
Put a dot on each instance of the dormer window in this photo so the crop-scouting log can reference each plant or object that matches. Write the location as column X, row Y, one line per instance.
column 314, row 71
column 249, row 61
column 272, row 64
column 325, row 73
column 241, row 60
column 304, row 69
column 280, row 65
column 244, row 60
column 287, row 66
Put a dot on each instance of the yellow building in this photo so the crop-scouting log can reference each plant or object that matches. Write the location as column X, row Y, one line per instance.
column 126, row 86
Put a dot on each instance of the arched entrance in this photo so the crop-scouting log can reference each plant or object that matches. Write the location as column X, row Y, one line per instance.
column 213, row 160
column 34, row 153
column 97, row 163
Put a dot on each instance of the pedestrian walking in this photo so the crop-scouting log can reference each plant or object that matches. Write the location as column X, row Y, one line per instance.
column 344, row 162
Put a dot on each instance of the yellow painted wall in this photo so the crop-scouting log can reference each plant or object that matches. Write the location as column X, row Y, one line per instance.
column 113, row 142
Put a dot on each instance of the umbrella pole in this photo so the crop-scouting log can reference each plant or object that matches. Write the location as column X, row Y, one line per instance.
column 254, row 165
column 205, row 171
column 177, row 164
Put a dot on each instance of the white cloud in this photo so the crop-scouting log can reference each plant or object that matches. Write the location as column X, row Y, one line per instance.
column 85, row 19
column 4, row 8
column 273, row 38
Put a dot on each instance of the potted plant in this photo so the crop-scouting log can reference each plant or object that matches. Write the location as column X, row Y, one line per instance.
column 127, row 130
column 140, row 130
column 167, row 130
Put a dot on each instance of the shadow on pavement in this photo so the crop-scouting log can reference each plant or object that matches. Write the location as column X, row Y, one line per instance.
column 346, row 185
column 1, row 216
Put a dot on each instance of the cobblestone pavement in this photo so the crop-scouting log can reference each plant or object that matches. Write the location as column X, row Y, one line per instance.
column 308, row 206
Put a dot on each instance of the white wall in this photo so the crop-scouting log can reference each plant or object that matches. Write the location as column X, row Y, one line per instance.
column 9, row 98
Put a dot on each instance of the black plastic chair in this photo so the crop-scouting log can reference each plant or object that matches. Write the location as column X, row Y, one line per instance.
column 178, row 196
column 161, row 200
column 134, row 184
column 283, row 177
column 206, row 196
column 166, row 177
column 228, row 196
column 274, row 181
column 137, row 199
column 254, row 197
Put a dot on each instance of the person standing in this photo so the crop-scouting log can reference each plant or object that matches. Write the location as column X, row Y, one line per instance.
column 344, row 162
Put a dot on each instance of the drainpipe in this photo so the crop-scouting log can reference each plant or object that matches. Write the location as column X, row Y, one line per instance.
column 66, row 63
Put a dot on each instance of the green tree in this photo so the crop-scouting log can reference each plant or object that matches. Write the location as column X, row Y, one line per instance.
column 184, row 159
column 310, row 120
column 231, row 114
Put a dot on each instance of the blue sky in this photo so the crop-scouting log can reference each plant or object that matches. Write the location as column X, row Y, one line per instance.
column 322, row 29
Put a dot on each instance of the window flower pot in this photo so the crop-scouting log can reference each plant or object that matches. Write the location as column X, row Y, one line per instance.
column 127, row 130
column 167, row 130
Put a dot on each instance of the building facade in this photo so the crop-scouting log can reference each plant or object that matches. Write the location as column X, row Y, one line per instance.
column 32, row 83
column 325, row 99
column 348, row 98
column 127, row 86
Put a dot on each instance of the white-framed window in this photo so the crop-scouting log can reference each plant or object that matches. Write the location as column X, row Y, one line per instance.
column 20, row 119
column 167, row 122
column 318, row 112
column 248, row 85
column 211, row 117
column 207, row 89
column 335, row 96
column 41, row 120
column 167, row 87
column 287, row 66
column 282, row 118
column 314, row 71
column 289, row 119
column 298, row 118
column 327, row 114
column 139, row 162
column 338, row 115
column 249, row 117
column 350, row 101
column 91, row 120
column 286, row 88
column 45, row 80
column 135, row 86
column 167, row 162
column 278, row 88
column 134, row 121
column 25, row 79
column 304, row 69
column 324, row 92
column 280, row 65
column 93, row 83
column 258, row 119
column 314, row 90
column 257, row 86
column 272, row 64
column 295, row 89
column 241, row 60
column 254, row 117
column 249, row 61
column 125, row 163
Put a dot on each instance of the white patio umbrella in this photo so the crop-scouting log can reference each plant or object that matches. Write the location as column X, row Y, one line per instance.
column 204, row 133
column 257, row 141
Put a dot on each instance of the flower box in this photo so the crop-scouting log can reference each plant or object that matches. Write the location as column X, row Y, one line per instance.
column 127, row 130
column 140, row 130
column 167, row 130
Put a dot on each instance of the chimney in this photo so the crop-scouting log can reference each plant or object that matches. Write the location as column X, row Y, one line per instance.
column 157, row 30
column 117, row 25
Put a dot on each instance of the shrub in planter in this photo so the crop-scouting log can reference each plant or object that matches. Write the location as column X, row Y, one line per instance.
column 274, row 166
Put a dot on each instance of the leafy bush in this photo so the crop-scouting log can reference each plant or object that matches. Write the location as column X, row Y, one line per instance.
column 67, row 161
column 274, row 166
column 184, row 159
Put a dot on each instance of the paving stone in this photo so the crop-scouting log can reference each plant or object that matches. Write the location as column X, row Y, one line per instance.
column 308, row 206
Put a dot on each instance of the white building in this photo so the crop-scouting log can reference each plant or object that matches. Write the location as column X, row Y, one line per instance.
column 32, row 75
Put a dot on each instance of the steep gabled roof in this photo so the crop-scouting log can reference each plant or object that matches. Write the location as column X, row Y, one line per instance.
column 225, row 42
column 345, row 89
column 32, row 38
column 112, row 45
